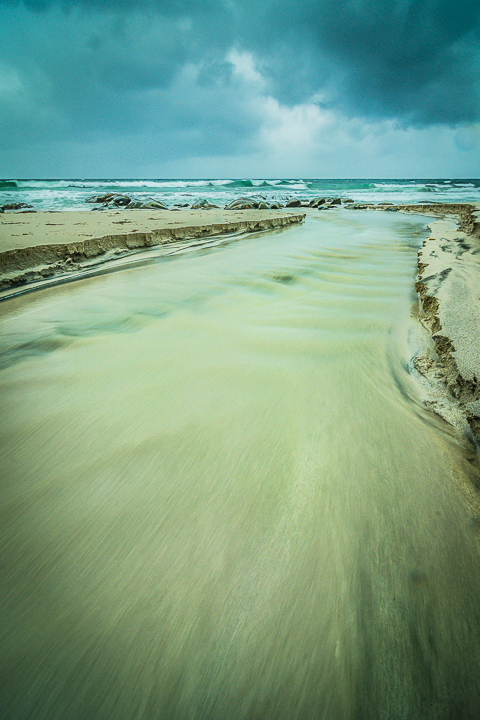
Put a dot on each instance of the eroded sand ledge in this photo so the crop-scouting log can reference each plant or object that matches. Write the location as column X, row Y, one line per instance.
column 449, row 286
column 42, row 245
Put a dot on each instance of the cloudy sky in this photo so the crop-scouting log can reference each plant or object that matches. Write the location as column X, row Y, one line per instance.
column 240, row 88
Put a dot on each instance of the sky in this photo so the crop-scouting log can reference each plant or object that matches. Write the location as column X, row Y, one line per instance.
column 239, row 88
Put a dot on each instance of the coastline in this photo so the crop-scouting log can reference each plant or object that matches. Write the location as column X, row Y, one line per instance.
column 39, row 246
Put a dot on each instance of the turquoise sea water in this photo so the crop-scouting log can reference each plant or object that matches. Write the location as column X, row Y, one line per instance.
column 70, row 194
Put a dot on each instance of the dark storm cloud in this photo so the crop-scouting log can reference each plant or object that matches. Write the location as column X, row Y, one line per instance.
column 416, row 60
column 119, row 68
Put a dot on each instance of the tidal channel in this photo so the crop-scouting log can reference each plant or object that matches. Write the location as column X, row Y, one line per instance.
column 222, row 497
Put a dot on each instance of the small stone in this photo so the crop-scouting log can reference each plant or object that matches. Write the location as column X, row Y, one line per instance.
column 154, row 205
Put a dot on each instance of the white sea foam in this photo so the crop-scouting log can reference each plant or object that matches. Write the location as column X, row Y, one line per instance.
column 71, row 194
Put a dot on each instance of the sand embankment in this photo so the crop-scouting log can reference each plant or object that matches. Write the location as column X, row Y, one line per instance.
column 449, row 286
column 41, row 245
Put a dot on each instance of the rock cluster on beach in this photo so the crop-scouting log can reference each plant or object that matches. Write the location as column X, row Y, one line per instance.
column 14, row 206
column 112, row 201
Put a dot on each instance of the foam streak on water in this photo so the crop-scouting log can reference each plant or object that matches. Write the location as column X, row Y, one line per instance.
column 220, row 497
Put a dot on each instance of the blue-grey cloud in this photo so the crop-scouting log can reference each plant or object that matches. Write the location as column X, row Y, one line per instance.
column 413, row 59
column 123, row 68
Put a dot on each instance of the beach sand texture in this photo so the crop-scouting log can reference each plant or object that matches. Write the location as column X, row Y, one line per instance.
column 39, row 245
column 449, row 287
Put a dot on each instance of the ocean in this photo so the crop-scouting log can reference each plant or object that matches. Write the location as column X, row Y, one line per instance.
column 71, row 194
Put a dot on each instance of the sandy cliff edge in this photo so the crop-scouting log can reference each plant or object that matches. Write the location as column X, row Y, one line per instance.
column 448, row 282
column 42, row 245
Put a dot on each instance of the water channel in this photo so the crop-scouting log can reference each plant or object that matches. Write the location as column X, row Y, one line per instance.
column 222, row 497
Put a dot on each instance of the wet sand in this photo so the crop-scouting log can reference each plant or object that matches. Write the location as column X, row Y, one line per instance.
column 221, row 497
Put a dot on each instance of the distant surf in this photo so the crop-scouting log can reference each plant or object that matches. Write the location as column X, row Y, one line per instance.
column 71, row 193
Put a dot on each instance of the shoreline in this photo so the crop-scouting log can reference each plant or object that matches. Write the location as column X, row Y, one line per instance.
column 40, row 246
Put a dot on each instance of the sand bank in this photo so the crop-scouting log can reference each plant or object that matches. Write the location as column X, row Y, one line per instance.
column 449, row 286
column 41, row 245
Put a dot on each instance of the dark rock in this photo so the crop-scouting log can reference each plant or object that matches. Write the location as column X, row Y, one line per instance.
column 242, row 204
column 316, row 202
column 154, row 205
column 122, row 200
column 102, row 198
column 203, row 204
column 293, row 202
column 15, row 206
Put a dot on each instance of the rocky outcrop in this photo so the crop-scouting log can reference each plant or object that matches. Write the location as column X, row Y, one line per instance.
column 14, row 206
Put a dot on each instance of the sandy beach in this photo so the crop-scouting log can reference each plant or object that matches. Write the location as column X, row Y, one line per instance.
column 449, row 286
column 41, row 245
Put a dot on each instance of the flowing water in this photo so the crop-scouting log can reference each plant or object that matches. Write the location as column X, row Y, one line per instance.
column 222, row 498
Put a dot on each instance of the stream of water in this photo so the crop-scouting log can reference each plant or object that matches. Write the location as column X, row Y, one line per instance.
column 221, row 496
